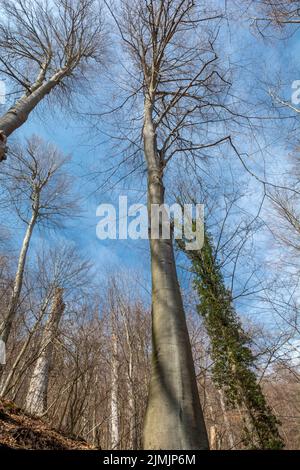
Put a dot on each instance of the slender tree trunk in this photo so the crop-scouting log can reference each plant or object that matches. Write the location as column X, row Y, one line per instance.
column 226, row 420
column 131, row 401
column 131, row 398
column 132, row 418
column 213, row 437
column 213, row 429
column 94, row 428
column 6, row 324
column 114, row 418
column 36, row 399
column 174, row 418
column 63, row 419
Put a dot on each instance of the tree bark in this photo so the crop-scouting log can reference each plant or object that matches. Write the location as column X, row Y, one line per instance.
column 36, row 399
column 174, row 418
column 18, row 114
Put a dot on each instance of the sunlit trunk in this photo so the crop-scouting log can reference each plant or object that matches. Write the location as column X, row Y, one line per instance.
column 213, row 430
column 174, row 418
column 226, row 420
column 114, row 417
column 6, row 324
column 36, row 399
column 213, row 437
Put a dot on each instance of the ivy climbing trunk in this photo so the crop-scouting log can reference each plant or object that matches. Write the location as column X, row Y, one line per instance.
column 233, row 360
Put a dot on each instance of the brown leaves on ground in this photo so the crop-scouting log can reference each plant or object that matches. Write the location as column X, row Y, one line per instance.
column 21, row 431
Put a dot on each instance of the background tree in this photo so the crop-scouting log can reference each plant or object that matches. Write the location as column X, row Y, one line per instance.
column 277, row 12
column 39, row 190
column 45, row 46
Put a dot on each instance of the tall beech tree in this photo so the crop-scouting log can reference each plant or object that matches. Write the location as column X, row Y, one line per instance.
column 45, row 46
column 178, row 81
column 233, row 360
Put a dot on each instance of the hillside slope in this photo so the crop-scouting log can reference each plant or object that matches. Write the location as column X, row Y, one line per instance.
column 21, row 431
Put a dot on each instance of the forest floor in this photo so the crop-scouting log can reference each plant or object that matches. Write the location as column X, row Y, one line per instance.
column 19, row 430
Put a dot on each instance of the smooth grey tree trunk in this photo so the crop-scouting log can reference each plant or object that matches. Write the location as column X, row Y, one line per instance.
column 6, row 324
column 36, row 399
column 174, row 418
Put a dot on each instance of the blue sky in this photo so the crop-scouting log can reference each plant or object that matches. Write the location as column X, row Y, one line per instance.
column 258, row 64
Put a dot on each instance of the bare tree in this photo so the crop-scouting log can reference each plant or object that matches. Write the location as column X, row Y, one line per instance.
column 39, row 191
column 286, row 205
column 284, row 224
column 171, row 46
column 277, row 12
column 126, row 314
column 46, row 45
